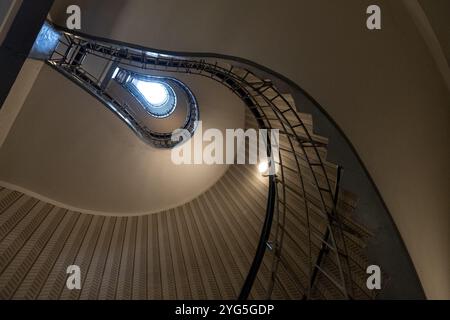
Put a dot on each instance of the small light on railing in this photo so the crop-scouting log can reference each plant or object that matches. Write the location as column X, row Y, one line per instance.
column 263, row 166
column 116, row 71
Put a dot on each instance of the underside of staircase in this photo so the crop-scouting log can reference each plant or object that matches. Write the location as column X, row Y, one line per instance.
column 200, row 250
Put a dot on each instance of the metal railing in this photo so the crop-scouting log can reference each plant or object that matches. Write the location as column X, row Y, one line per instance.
column 70, row 64
column 302, row 171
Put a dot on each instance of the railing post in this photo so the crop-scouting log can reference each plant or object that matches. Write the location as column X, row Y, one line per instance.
column 324, row 249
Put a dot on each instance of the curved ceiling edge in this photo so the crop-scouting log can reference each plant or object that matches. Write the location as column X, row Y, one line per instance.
column 56, row 203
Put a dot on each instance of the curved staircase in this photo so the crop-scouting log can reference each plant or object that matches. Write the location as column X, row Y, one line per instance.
column 310, row 247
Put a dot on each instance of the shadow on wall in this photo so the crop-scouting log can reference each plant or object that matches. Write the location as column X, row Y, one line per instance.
column 437, row 12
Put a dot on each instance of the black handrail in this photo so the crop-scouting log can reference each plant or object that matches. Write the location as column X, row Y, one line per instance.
column 264, row 237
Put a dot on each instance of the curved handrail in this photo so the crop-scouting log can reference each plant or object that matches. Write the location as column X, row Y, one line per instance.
column 90, row 84
column 262, row 98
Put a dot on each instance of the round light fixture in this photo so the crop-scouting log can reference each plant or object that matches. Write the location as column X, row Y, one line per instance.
column 263, row 166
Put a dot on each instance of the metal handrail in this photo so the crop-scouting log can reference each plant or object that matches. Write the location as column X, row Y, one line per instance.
column 250, row 91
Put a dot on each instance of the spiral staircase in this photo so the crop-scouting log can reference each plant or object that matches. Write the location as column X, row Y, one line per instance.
column 291, row 235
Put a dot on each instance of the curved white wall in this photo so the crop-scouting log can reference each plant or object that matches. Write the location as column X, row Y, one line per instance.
column 69, row 149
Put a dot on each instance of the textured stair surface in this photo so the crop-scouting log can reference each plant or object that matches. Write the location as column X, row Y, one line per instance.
column 201, row 250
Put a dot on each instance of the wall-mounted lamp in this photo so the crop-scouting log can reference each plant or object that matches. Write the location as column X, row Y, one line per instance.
column 263, row 166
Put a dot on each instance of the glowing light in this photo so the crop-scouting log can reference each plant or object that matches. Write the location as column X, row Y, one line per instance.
column 263, row 166
column 154, row 92
column 115, row 73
